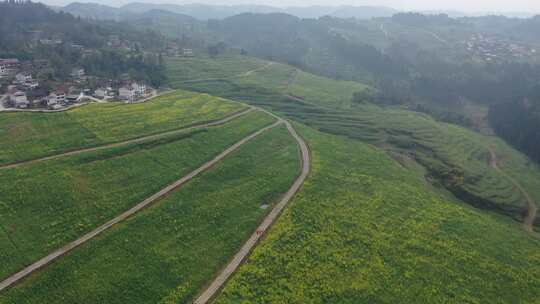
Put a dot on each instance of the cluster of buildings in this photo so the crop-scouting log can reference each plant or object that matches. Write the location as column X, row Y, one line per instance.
column 129, row 92
column 22, row 90
column 61, row 97
column 115, row 42
column 493, row 48
column 38, row 39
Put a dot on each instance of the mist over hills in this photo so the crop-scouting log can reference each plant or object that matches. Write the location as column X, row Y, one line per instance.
column 97, row 10
column 205, row 11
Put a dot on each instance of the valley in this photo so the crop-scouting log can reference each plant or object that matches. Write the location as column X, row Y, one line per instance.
column 282, row 156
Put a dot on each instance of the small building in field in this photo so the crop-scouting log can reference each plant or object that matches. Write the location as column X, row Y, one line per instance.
column 19, row 100
column 187, row 52
column 56, row 97
column 104, row 93
column 132, row 92
column 74, row 97
column 127, row 94
column 100, row 93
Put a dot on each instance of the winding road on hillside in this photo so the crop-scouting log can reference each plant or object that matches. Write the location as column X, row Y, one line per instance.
column 217, row 284
column 532, row 209
column 241, row 75
column 385, row 32
column 9, row 281
column 240, row 256
column 437, row 37
column 133, row 140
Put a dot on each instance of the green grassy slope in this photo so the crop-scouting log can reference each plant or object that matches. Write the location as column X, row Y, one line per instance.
column 318, row 90
column 192, row 68
column 455, row 158
column 25, row 136
column 168, row 251
column 45, row 205
column 365, row 229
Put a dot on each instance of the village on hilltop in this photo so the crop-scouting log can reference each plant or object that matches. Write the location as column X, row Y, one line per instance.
column 492, row 48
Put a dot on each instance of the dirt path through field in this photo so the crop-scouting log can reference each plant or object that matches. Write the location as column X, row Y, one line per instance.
column 385, row 32
column 217, row 284
column 249, row 73
column 133, row 140
column 241, row 75
column 532, row 209
column 7, row 282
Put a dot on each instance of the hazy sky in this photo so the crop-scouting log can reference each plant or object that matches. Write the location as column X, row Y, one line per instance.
column 527, row 6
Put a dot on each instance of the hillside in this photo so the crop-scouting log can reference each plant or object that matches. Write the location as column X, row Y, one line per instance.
column 367, row 229
column 39, row 136
column 94, row 11
column 434, row 64
column 207, row 12
column 372, row 168
column 283, row 160
column 454, row 158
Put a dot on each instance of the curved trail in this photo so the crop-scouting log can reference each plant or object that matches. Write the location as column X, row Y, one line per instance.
column 131, row 141
column 532, row 209
column 241, row 75
column 437, row 37
column 7, row 282
column 233, row 265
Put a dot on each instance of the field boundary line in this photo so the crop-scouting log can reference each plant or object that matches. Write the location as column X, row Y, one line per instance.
column 14, row 278
column 241, row 75
column 532, row 209
column 135, row 140
column 221, row 279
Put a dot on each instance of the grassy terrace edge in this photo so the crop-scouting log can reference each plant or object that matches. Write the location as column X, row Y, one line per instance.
column 83, row 125
column 461, row 167
column 74, row 178
column 365, row 228
column 159, row 267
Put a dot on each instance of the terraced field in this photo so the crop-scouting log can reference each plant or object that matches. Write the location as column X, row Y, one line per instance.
column 73, row 195
column 366, row 229
column 30, row 135
column 391, row 212
column 167, row 252
column 318, row 90
column 194, row 68
column 455, row 158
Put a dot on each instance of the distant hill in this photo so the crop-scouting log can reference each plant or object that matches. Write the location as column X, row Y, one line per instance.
column 314, row 45
column 309, row 11
column 206, row 12
column 94, row 11
column 363, row 12
column 199, row 11
column 173, row 25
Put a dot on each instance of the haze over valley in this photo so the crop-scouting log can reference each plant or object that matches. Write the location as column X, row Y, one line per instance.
column 270, row 152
